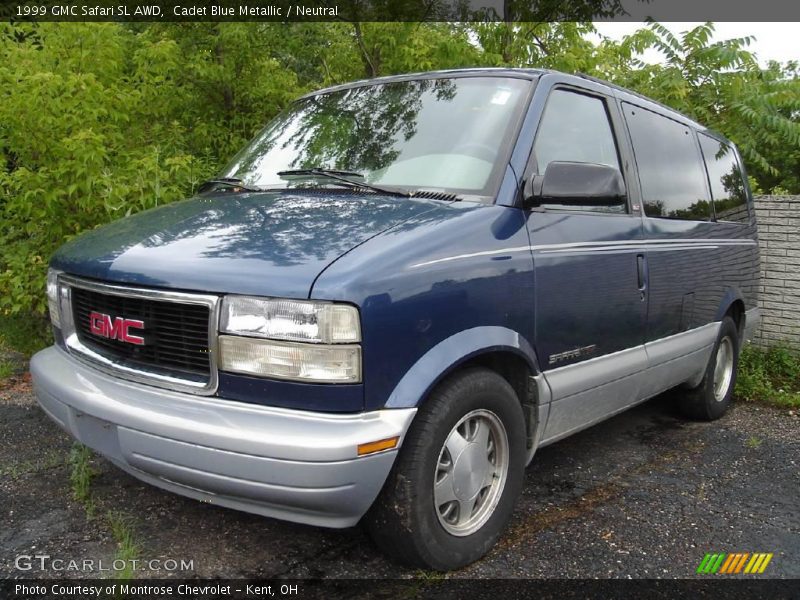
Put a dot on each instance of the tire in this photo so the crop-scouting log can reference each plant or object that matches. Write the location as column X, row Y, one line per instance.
column 712, row 398
column 456, row 439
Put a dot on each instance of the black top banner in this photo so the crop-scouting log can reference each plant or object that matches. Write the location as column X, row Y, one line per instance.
column 399, row 10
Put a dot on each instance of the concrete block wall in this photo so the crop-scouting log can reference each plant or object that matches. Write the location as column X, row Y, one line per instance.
column 779, row 242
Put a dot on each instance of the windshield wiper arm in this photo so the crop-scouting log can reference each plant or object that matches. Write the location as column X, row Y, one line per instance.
column 344, row 177
column 321, row 171
column 230, row 182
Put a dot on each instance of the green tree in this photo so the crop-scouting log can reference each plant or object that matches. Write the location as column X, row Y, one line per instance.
column 101, row 120
column 77, row 149
column 721, row 85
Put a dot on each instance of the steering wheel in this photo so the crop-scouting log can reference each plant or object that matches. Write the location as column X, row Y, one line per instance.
column 477, row 150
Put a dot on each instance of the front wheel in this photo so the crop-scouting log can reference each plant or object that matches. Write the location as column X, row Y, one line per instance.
column 712, row 398
column 459, row 473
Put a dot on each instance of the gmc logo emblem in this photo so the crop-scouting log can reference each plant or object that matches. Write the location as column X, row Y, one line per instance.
column 117, row 328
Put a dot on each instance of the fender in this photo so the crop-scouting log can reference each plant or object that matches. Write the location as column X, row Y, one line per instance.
column 437, row 362
column 732, row 294
column 440, row 360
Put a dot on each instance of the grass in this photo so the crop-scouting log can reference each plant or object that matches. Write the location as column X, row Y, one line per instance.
column 769, row 375
column 20, row 338
column 429, row 575
column 81, row 476
column 7, row 369
column 753, row 442
column 30, row 467
column 26, row 334
column 127, row 548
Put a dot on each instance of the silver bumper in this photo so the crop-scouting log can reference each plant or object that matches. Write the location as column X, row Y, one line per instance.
column 293, row 465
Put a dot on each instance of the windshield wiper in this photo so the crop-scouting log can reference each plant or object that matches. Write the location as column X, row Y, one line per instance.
column 343, row 177
column 228, row 182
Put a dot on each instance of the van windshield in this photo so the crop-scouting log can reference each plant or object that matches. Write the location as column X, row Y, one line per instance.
column 449, row 135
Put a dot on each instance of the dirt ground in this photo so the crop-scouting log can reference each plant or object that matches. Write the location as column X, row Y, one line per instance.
column 645, row 494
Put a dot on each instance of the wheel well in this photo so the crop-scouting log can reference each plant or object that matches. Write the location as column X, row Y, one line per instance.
column 516, row 371
column 511, row 367
column 736, row 312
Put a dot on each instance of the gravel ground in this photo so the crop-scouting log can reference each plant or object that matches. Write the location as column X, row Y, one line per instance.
column 645, row 494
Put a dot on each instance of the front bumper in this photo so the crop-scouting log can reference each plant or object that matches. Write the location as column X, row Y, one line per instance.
column 288, row 464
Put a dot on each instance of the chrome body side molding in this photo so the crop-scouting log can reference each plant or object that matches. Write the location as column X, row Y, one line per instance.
column 602, row 247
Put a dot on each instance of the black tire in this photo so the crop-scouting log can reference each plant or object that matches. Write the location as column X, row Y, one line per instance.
column 404, row 521
column 705, row 402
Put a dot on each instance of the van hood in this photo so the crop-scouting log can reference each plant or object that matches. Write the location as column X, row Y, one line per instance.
column 269, row 244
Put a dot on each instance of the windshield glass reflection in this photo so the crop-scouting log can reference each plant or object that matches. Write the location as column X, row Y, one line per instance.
column 440, row 134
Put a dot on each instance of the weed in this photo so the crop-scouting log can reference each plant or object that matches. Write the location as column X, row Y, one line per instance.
column 429, row 575
column 29, row 467
column 81, row 476
column 122, row 531
column 127, row 547
column 753, row 442
column 770, row 375
column 7, row 369
column 25, row 335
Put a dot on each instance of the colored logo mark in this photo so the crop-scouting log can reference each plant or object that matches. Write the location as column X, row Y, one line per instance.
column 730, row 564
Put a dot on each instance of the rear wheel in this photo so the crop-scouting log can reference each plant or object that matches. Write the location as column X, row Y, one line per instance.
column 460, row 470
column 712, row 398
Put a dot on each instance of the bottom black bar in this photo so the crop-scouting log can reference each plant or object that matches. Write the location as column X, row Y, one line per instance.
column 400, row 589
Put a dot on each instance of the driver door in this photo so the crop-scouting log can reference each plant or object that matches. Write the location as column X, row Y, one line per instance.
column 590, row 270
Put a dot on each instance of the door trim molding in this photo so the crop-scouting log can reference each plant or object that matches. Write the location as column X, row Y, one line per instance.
column 606, row 246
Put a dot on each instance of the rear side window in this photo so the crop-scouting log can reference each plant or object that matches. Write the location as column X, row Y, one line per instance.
column 670, row 167
column 575, row 128
column 727, row 185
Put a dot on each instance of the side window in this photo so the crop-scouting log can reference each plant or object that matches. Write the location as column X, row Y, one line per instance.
column 727, row 185
column 575, row 127
column 669, row 164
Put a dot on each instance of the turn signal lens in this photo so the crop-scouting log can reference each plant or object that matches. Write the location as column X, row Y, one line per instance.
column 52, row 297
column 372, row 447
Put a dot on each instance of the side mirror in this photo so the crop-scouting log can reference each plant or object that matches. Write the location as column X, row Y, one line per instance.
column 576, row 184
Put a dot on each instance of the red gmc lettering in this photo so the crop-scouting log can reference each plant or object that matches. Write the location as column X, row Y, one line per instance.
column 115, row 329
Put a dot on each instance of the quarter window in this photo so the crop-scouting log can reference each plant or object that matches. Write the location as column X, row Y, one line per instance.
column 727, row 184
column 670, row 167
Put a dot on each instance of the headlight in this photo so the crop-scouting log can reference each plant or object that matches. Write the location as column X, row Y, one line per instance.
column 292, row 320
column 301, row 340
column 288, row 360
column 52, row 297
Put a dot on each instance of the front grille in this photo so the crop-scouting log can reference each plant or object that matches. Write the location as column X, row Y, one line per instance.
column 175, row 334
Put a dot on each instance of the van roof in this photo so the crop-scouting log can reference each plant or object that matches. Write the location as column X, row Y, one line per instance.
column 466, row 72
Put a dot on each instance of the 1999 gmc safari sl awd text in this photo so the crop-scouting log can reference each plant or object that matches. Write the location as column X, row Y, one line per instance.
column 399, row 291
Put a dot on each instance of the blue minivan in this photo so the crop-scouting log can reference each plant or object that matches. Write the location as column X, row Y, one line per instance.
column 397, row 292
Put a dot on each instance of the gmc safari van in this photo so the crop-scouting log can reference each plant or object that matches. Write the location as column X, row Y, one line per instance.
column 397, row 292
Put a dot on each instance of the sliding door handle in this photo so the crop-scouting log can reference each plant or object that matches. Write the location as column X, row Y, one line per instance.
column 641, row 271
